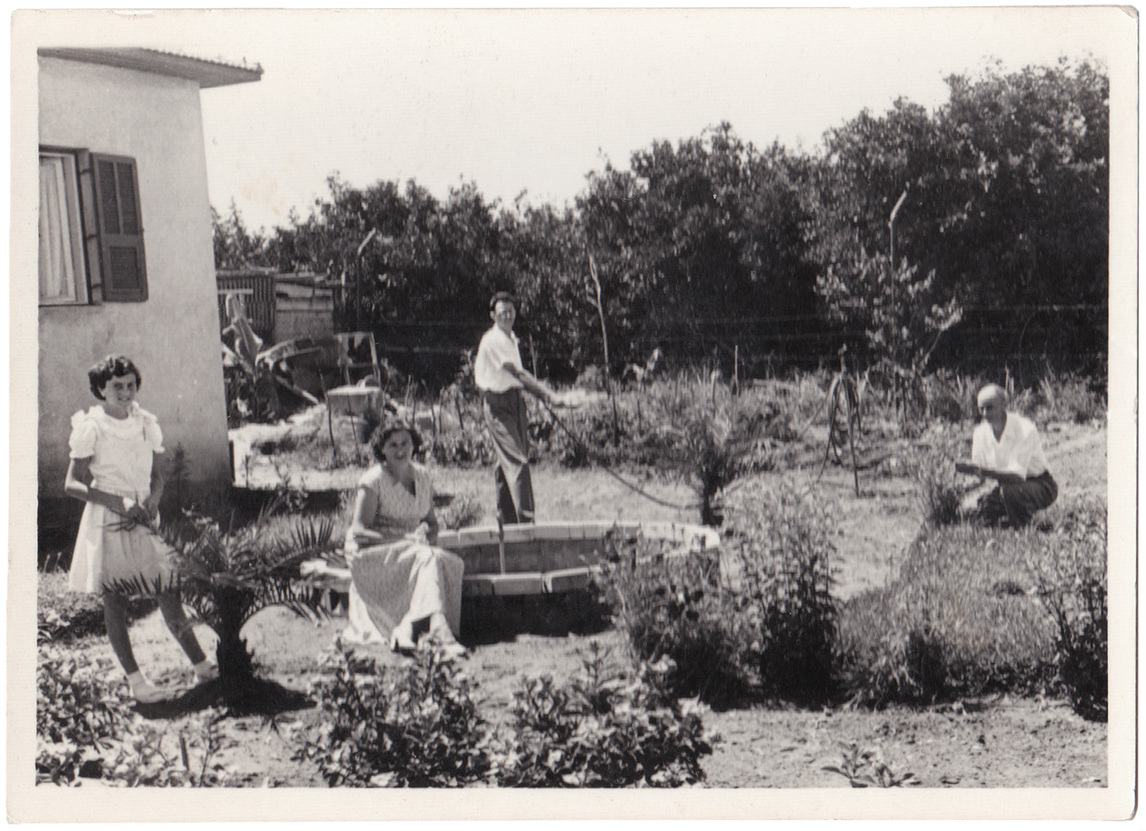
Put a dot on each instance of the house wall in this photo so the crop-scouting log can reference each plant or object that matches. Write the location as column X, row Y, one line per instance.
column 173, row 337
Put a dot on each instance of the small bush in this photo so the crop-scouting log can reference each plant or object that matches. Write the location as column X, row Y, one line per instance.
column 467, row 446
column 761, row 619
column 462, row 512
column 781, row 556
column 85, row 730
column 602, row 730
column 417, row 727
column 675, row 608
column 78, row 715
column 1070, row 570
column 63, row 616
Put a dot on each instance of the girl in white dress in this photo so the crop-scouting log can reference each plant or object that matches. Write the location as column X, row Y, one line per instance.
column 115, row 467
column 403, row 585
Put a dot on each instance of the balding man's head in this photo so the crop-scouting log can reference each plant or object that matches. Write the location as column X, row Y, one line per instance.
column 992, row 392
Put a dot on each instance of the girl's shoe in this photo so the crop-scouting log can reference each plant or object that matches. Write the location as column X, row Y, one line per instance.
column 206, row 670
column 145, row 692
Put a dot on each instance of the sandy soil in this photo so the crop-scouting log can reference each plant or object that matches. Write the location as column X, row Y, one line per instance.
column 999, row 742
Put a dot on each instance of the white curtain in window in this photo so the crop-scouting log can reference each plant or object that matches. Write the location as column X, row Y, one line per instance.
column 57, row 267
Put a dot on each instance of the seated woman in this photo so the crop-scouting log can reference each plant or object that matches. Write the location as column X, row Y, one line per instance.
column 403, row 585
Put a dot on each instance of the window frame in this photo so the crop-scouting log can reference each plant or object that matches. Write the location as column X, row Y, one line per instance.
column 74, row 208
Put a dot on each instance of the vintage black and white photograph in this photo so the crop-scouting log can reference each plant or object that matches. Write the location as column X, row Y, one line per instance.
column 467, row 402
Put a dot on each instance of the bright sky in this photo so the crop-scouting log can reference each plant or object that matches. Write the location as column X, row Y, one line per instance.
column 533, row 100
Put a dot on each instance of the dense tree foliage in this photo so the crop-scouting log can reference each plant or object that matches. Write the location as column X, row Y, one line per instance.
column 714, row 247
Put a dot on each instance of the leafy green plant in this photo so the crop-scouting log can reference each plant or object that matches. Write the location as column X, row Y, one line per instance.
column 413, row 727
column 78, row 716
column 867, row 768
column 602, row 730
column 1070, row 571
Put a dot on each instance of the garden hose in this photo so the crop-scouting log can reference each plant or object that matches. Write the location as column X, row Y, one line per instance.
column 588, row 452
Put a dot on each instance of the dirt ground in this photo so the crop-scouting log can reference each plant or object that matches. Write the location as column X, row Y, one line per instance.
column 996, row 743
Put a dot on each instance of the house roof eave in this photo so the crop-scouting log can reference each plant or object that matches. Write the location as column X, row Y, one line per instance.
column 204, row 72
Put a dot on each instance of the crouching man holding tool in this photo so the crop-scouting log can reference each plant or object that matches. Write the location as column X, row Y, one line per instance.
column 1007, row 449
column 500, row 377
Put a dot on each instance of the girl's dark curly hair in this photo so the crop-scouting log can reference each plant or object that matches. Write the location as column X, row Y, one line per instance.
column 388, row 428
column 113, row 366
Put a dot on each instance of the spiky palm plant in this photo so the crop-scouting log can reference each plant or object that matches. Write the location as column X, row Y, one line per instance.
column 228, row 577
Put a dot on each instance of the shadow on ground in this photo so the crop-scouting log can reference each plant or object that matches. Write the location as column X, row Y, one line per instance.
column 487, row 620
column 256, row 697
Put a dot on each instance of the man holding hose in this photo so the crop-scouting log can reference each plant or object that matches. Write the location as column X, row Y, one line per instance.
column 500, row 377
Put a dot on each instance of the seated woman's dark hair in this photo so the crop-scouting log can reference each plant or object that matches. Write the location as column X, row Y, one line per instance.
column 499, row 297
column 388, row 428
column 113, row 366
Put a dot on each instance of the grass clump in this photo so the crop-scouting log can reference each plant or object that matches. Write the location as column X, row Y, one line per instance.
column 957, row 620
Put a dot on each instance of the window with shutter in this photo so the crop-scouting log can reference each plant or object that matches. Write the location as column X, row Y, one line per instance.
column 91, row 230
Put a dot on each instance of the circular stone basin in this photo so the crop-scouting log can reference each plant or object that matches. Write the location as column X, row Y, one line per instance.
column 550, row 557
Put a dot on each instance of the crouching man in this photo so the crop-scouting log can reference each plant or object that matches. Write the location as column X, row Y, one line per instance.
column 1007, row 449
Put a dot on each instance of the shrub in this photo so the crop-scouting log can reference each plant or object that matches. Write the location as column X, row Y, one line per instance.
column 85, row 730
column 762, row 618
column 467, row 446
column 1070, row 398
column 462, row 512
column 417, row 727
column 602, row 730
column 675, row 608
column 780, row 559
column 78, row 715
column 1070, row 571
column 63, row 616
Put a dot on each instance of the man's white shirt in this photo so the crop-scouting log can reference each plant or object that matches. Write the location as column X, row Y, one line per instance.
column 495, row 350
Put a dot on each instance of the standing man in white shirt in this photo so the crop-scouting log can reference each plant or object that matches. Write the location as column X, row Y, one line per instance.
column 501, row 378
column 1007, row 448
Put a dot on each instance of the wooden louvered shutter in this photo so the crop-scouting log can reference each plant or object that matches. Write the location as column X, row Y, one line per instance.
column 122, row 265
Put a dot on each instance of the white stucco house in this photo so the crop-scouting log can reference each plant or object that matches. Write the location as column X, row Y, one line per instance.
column 126, row 263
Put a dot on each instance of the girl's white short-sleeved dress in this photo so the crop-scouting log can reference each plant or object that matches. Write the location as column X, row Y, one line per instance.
column 121, row 453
